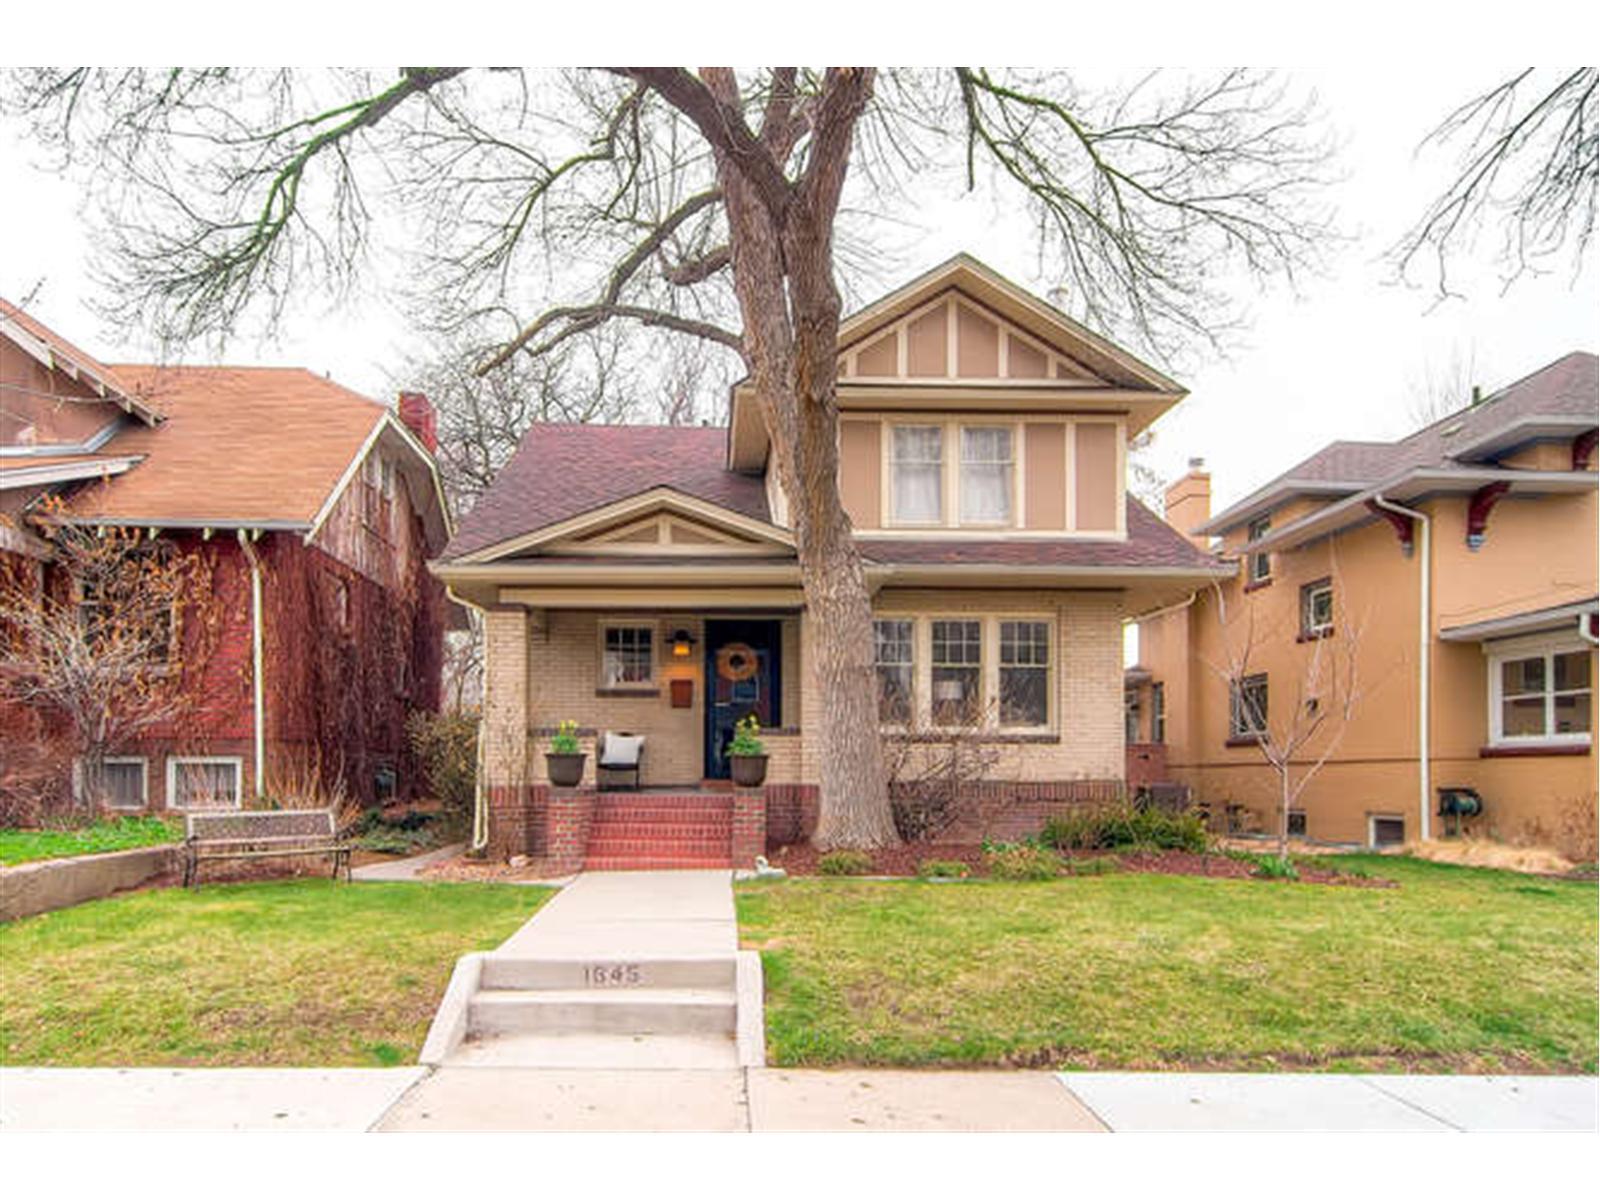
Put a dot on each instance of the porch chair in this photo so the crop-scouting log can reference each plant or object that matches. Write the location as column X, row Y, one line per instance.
column 621, row 753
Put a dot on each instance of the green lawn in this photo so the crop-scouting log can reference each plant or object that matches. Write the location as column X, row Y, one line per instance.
column 298, row 973
column 122, row 833
column 1456, row 969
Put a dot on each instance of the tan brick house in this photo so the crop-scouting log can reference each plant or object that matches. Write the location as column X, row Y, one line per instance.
column 644, row 579
column 1467, row 554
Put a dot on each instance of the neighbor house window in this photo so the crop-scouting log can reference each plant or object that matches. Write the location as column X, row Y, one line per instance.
column 1260, row 562
column 206, row 782
column 1386, row 831
column 916, row 474
column 1297, row 823
column 1316, row 609
column 124, row 783
column 1024, row 673
column 1130, row 716
column 1158, row 712
column 100, row 617
column 1541, row 696
column 627, row 656
column 988, row 467
column 893, row 656
column 1248, row 707
column 957, row 672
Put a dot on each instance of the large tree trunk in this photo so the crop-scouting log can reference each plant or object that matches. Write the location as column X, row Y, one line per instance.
column 783, row 276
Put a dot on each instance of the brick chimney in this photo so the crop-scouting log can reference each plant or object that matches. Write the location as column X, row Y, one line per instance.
column 416, row 411
column 1188, row 502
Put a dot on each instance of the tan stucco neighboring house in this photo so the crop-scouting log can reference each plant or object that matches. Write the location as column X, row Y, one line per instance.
column 644, row 579
column 1466, row 554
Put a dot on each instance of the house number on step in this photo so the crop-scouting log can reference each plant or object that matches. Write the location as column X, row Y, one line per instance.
column 612, row 975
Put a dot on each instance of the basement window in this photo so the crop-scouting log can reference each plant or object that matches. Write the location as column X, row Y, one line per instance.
column 1386, row 831
column 210, row 781
column 1297, row 823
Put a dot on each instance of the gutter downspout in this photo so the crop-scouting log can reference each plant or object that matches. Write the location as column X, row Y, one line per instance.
column 1424, row 652
column 480, row 807
column 257, row 682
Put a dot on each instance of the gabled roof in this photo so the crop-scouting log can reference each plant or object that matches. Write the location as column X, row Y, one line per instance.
column 562, row 471
column 55, row 352
column 1559, row 400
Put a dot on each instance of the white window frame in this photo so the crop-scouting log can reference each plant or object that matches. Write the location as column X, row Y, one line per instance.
column 1052, row 652
column 174, row 761
column 1238, row 708
column 1372, row 828
column 1259, row 564
column 914, row 702
column 1308, row 607
column 1009, row 521
column 1535, row 646
column 602, row 676
column 117, row 760
column 988, row 668
column 890, row 462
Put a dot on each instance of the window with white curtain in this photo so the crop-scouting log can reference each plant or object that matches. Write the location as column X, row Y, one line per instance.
column 988, row 465
column 916, row 474
column 205, row 782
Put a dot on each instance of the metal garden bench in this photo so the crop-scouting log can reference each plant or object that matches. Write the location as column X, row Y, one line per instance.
column 282, row 833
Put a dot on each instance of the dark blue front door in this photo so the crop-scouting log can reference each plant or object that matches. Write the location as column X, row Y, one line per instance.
column 741, row 678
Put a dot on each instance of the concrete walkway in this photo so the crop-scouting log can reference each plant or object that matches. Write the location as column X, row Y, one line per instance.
column 625, row 914
column 404, row 870
column 416, row 1098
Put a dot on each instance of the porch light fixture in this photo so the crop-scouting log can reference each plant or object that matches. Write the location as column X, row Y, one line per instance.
column 682, row 644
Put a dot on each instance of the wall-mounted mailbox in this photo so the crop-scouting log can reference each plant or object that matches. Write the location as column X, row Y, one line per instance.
column 682, row 693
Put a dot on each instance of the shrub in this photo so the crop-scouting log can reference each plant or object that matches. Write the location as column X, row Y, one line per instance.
column 942, row 868
column 446, row 746
column 845, row 862
column 1019, row 861
column 1126, row 828
column 1270, row 866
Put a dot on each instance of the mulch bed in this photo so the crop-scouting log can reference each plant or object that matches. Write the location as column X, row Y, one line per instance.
column 902, row 861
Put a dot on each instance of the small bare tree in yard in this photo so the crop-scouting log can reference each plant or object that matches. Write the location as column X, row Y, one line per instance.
column 1299, row 725
column 722, row 206
column 936, row 777
column 96, row 642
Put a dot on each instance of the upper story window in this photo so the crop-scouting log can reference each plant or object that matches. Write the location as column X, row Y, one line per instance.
column 893, row 653
column 1541, row 695
column 1260, row 566
column 1247, row 707
column 1316, row 609
column 627, row 656
column 916, row 474
column 988, row 467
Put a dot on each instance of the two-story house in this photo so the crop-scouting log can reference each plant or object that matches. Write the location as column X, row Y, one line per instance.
column 644, row 579
column 1465, row 554
column 313, row 511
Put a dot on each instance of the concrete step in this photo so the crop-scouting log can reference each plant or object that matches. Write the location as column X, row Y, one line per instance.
column 658, row 862
column 588, row 1010
column 640, row 1051
column 606, row 974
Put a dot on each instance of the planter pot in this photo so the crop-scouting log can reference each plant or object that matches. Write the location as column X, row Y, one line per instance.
column 566, row 770
column 749, row 770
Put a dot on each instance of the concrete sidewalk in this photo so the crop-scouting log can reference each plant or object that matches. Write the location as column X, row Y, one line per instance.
column 415, row 1098
column 622, row 914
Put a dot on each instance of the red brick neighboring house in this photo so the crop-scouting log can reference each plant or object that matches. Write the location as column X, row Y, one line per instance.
column 329, row 500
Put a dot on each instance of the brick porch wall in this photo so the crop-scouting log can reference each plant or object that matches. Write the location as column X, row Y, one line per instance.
column 1147, row 764
column 749, row 826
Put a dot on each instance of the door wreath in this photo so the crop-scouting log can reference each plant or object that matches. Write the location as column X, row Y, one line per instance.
column 737, row 662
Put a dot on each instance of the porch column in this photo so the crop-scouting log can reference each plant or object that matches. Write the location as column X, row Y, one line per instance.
column 505, row 730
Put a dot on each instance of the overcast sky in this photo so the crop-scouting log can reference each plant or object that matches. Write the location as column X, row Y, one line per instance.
column 1341, row 360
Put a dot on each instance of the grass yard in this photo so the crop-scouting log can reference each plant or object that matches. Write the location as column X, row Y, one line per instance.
column 1458, row 969
column 122, row 833
column 287, row 974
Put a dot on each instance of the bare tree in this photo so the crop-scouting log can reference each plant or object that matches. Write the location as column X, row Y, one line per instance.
column 706, row 205
column 1438, row 389
column 936, row 775
column 1529, row 159
column 1301, row 731
column 97, row 641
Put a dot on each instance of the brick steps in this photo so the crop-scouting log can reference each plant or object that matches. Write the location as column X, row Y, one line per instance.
column 660, row 832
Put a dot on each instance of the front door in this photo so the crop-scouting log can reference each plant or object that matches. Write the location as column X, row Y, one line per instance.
column 741, row 678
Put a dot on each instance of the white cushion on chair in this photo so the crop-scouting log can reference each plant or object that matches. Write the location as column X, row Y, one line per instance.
column 621, row 751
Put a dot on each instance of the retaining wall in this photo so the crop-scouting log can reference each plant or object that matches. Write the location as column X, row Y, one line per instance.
column 40, row 887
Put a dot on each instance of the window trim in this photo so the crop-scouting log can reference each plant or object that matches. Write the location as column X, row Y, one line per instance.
column 1308, row 592
column 891, row 517
column 1053, row 653
column 1013, row 437
column 1254, row 531
column 1237, row 734
column 174, row 761
column 988, row 669
column 602, row 683
column 1547, row 647
column 915, row 696
column 983, row 667
column 1372, row 829
column 1158, row 713
column 116, row 760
